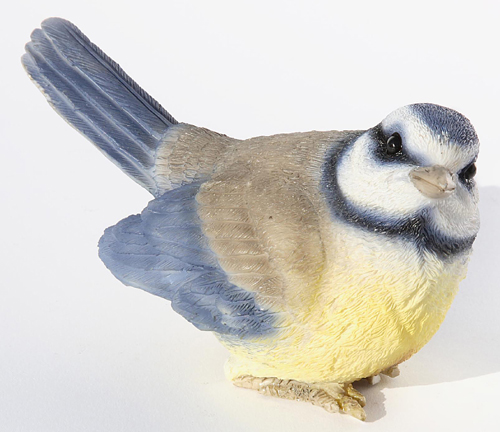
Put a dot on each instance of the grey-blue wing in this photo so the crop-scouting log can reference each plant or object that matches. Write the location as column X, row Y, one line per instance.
column 164, row 251
column 92, row 93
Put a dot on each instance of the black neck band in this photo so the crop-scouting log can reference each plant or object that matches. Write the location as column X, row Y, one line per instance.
column 415, row 229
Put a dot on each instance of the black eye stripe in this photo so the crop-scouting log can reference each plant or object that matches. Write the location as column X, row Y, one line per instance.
column 416, row 229
column 400, row 156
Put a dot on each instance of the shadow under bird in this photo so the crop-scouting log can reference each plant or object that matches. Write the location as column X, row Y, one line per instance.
column 318, row 259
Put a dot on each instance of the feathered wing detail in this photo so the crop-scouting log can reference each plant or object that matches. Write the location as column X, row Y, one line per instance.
column 165, row 252
column 265, row 227
column 92, row 93
column 231, row 228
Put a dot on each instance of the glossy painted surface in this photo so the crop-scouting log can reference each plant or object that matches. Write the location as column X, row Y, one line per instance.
column 313, row 256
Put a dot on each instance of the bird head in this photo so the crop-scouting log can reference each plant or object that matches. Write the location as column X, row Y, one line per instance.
column 412, row 175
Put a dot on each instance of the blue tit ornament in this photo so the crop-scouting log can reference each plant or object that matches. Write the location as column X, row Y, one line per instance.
column 317, row 259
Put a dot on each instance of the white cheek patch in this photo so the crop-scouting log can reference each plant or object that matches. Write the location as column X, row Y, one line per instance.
column 384, row 190
column 456, row 216
column 374, row 186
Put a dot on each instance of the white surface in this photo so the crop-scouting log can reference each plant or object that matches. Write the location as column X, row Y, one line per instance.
column 81, row 352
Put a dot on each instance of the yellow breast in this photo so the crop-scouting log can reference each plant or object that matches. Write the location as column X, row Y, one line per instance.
column 378, row 302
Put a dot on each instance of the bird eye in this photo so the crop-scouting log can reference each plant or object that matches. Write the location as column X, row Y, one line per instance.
column 469, row 172
column 394, row 144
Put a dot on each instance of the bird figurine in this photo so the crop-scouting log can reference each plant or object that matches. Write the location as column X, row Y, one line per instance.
column 318, row 259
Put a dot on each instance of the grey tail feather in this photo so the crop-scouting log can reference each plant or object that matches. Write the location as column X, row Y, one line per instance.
column 93, row 94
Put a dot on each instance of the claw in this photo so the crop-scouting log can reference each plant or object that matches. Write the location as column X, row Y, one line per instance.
column 352, row 392
column 350, row 406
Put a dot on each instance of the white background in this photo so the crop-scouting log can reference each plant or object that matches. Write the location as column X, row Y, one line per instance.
column 81, row 352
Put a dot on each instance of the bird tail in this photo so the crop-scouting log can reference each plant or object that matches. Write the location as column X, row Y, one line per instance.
column 95, row 96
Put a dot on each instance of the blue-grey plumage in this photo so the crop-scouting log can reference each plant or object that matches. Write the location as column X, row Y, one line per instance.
column 164, row 251
column 92, row 93
column 317, row 258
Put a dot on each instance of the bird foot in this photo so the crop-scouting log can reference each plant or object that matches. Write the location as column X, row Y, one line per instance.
column 374, row 379
column 333, row 397
column 392, row 372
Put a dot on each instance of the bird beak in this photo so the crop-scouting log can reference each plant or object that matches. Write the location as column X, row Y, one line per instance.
column 433, row 182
